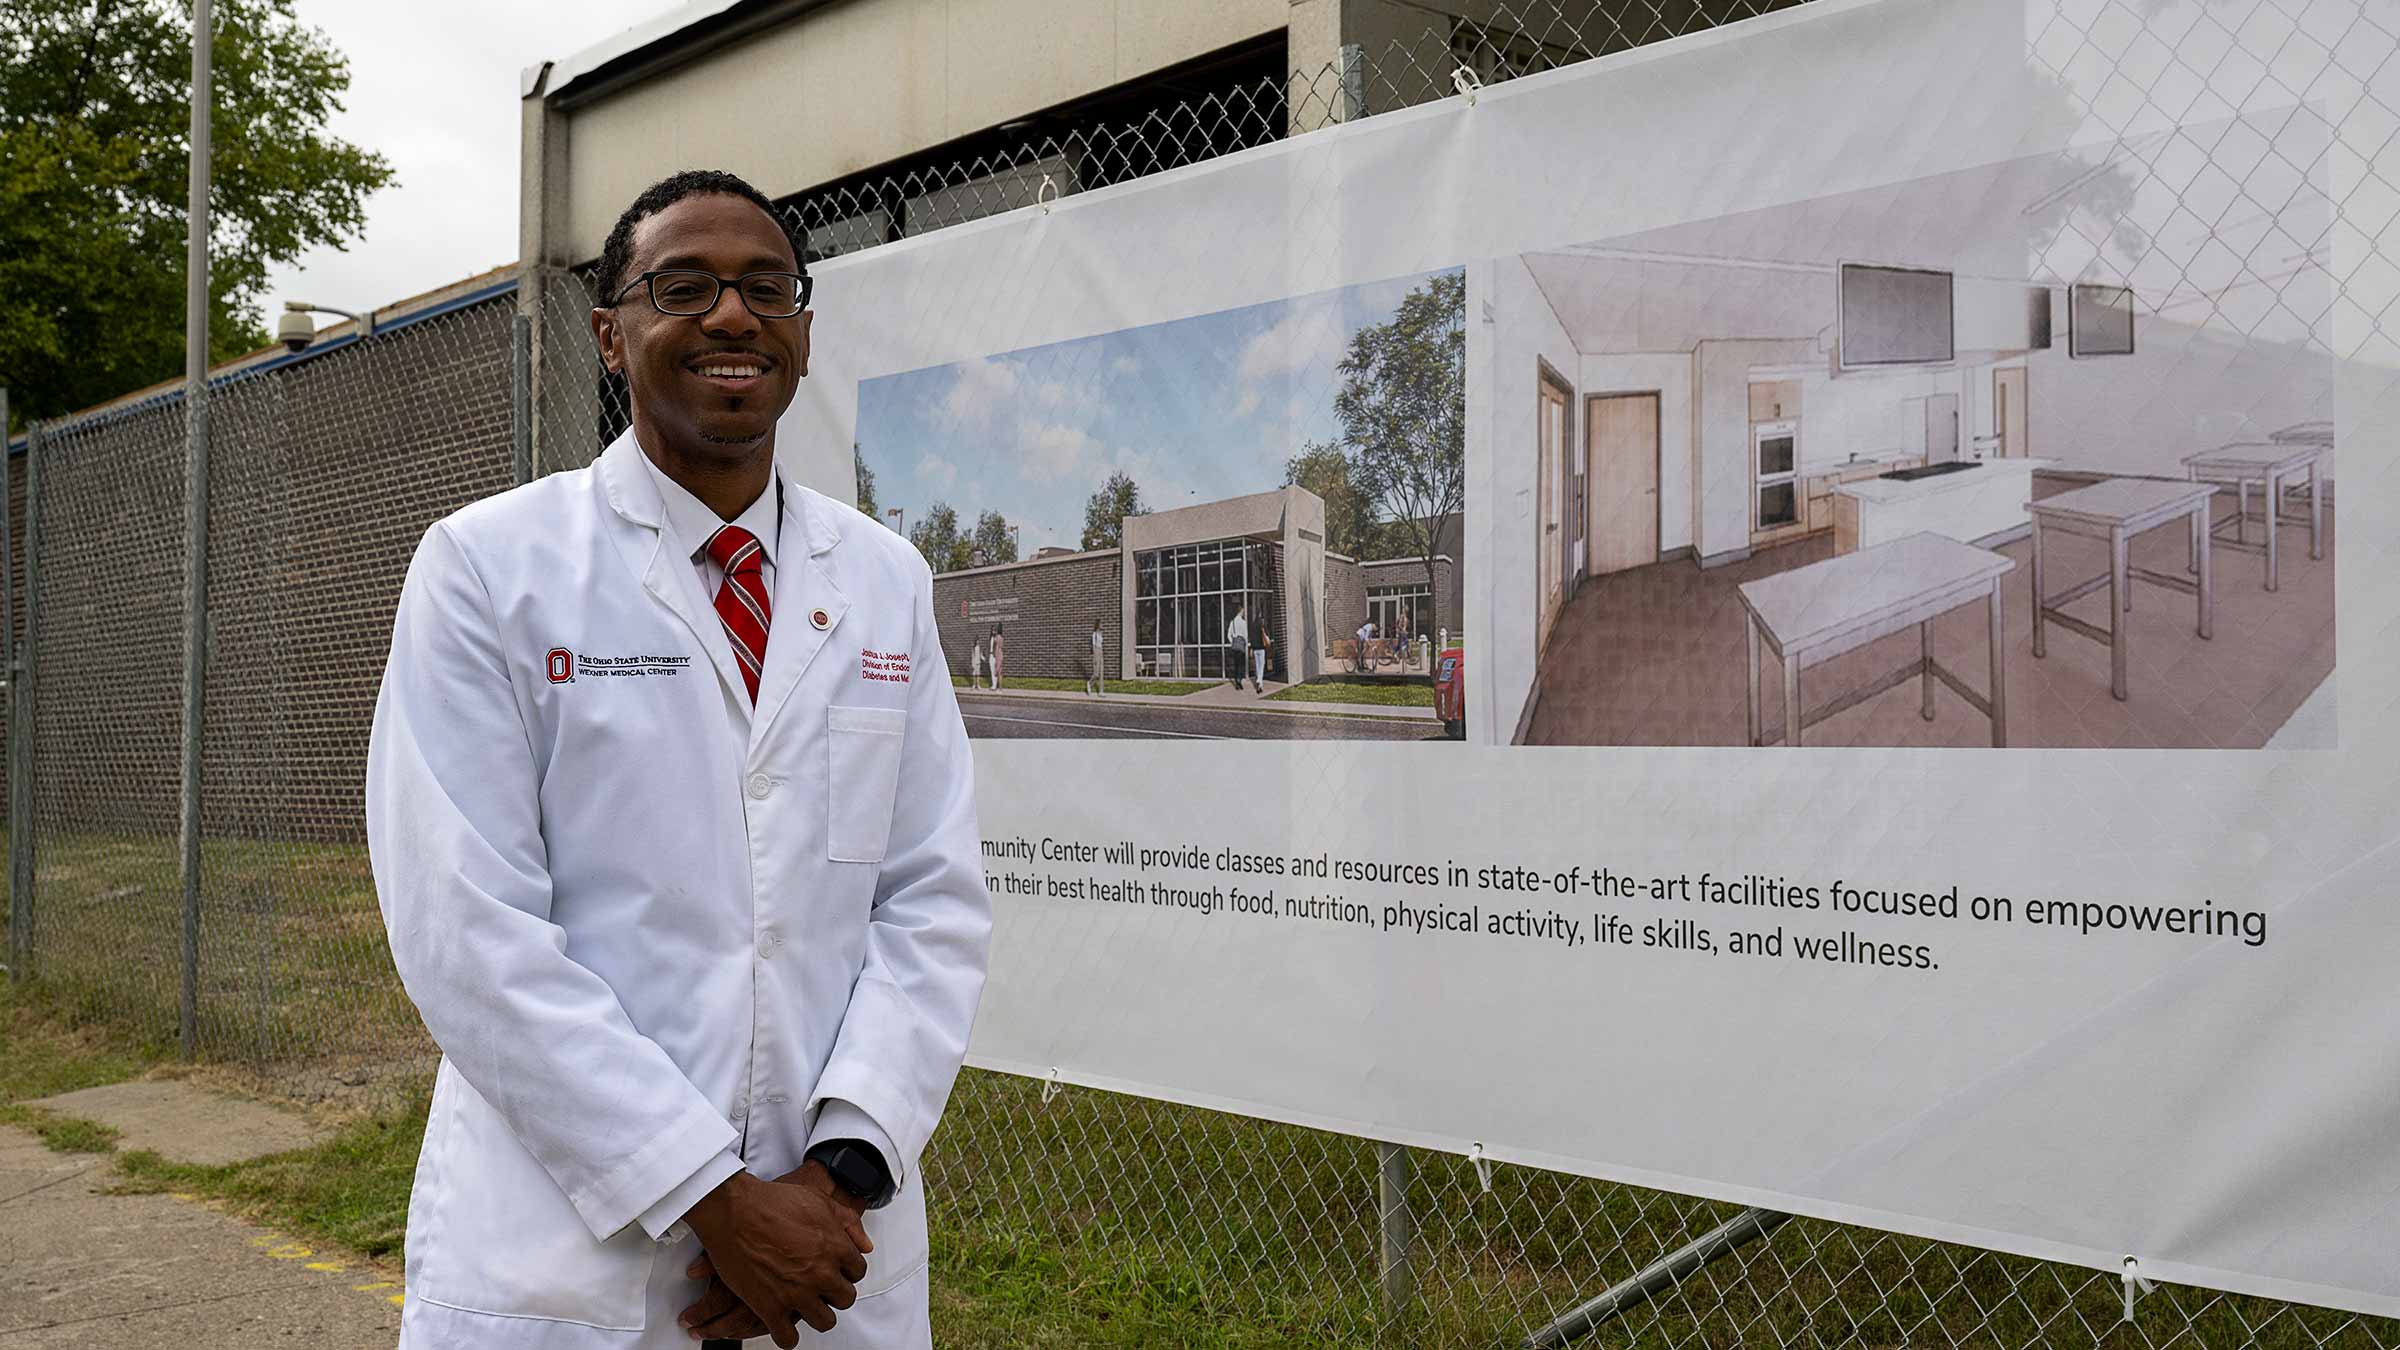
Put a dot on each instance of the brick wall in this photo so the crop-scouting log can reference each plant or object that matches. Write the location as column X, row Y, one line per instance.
column 323, row 476
column 1051, row 633
column 1345, row 602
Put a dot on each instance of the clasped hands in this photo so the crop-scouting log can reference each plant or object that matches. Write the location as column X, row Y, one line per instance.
column 776, row 1253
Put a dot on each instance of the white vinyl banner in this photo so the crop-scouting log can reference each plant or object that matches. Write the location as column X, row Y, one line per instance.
column 1754, row 616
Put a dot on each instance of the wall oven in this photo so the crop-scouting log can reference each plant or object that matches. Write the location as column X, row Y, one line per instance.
column 1776, row 453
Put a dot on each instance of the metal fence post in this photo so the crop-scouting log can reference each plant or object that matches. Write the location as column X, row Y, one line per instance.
column 1399, row 1228
column 21, row 712
column 8, row 682
column 1659, row 1276
column 1354, row 81
column 195, row 540
column 520, row 396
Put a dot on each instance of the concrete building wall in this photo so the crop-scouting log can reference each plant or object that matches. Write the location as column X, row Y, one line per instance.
column 1044, row 608
column 843, row 87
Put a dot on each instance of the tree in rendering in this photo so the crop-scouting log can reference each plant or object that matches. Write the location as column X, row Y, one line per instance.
column 1104, row 511
column 937, row 537
column 1402, row 407
column 95, row 128
column 866, row 483
column 1324, row 470
column 993, row 541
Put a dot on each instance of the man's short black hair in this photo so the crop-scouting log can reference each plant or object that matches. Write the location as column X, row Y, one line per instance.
column 617, row 253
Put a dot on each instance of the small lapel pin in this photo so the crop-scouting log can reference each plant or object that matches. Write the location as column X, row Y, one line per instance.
column 820, row 620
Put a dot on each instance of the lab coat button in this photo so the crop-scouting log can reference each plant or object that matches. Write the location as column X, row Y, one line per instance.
column 766, row 945
column 740, row 1111
column 760, row 786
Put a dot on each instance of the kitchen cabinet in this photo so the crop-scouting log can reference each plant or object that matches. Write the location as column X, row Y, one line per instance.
column 1774, row 400
column 1820, row 503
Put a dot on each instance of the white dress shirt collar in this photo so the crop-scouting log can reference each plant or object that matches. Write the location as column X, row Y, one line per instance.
column 691, row 522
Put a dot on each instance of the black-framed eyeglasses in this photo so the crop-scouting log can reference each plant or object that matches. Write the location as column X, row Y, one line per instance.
column 685, row 294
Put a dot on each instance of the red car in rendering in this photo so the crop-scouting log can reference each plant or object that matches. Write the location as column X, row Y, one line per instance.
column 1450, row 692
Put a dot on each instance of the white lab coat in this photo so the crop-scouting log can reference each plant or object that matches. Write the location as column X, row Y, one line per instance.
column 642, row 939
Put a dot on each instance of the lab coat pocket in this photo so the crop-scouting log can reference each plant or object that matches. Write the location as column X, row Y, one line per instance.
column 863, row 774
column 508, row 1242
column 898, row 1232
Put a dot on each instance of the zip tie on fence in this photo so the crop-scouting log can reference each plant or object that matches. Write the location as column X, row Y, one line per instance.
column 1050, row 1087
column 2135, row 1285
column 1483, row 1167
column 1467, row 82
column 1044, row 201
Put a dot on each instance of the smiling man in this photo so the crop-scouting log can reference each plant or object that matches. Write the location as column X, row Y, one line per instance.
column 673, row 827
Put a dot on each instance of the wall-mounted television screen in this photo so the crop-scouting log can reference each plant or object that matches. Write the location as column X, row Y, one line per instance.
column 1896, row 316
column 2099, row 321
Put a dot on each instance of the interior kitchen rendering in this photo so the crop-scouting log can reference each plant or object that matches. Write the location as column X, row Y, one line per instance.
column 2020, row 455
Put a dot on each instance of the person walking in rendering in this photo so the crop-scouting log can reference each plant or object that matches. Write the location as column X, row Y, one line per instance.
column 1095, row 686
column 1261, row 646
column 700, row 947
column 976, row 668
column 1237, row 645
column 999, row 653
column 1364, row 657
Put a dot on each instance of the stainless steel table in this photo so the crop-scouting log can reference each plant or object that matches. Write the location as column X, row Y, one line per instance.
column 2273, row 465
column 1812, row 614
column 2117, row 510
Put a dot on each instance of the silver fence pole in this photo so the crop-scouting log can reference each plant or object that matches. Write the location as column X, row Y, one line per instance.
column 1354, row 82
column 195, row 535
column 21, row 713
column 1399, row 1228
column 1662, row 1274
column 520, row 395
column 8, row 683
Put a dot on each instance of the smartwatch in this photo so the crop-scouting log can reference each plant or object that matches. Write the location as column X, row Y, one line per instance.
column 858, row 1169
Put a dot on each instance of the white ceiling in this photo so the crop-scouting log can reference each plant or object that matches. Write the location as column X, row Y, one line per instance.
column 2191, row 218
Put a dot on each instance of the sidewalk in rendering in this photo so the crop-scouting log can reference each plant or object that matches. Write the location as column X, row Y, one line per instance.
column 82, row 1267
column 1221, row 697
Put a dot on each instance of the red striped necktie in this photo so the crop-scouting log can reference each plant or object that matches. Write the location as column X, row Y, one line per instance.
column 742, row 599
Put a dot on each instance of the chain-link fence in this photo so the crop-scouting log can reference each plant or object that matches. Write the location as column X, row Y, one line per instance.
column 1078, row 1210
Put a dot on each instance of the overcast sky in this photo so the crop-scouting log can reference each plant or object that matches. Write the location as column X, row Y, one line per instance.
column 433, row 86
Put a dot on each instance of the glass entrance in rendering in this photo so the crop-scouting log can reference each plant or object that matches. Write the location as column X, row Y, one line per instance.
column 1185, row 596
column 1401, row 611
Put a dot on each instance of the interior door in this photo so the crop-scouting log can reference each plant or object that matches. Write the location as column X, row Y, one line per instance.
column 2009, row 412
column 1941, row 428
column 1550, row 542
column 1622, row 441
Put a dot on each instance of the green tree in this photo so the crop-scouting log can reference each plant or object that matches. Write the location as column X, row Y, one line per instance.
column 993, row 541
column 866, row 482
column 1402, row 407
column 1324, row 470
column 1104, row 511
column 95, row 130
column 936, row 536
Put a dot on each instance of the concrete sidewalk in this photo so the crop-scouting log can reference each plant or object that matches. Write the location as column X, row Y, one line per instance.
column 1219, row 697
column 81, row 1267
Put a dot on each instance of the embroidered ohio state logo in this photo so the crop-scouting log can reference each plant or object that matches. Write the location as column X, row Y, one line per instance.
column 562, row 665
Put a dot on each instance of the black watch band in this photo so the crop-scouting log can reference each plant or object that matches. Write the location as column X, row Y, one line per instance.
column 857, row 1168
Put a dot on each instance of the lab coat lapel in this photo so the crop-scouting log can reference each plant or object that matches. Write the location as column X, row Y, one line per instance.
column 664, row 575
column 803, row 589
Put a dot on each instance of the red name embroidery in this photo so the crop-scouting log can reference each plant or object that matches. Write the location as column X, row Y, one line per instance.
column 891, row 667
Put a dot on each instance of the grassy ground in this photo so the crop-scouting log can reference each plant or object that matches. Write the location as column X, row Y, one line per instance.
column 1168, row 688
column 1333, row 689
column 1089, row 1220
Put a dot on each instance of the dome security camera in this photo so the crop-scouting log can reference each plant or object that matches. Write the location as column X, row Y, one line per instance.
column 295, row 331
